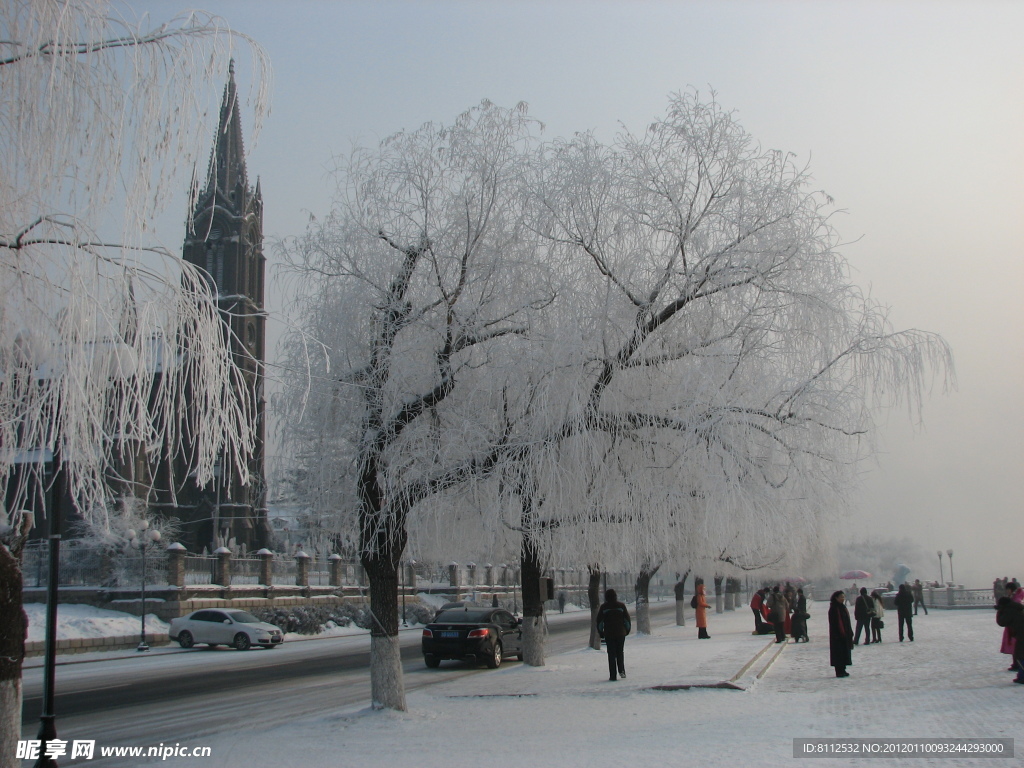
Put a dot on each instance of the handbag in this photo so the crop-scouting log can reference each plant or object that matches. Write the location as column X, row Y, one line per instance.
column 881, row 624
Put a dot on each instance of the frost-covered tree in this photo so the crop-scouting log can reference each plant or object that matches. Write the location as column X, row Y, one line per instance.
column 414, row 289
column 720, row 356
column 696, row 384
column 101, row 333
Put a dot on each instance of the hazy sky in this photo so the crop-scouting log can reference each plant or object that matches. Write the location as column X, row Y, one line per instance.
column 910, row 114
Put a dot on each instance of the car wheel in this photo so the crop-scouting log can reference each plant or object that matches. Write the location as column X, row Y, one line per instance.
column 242, row 642
column 185, row 639
column 494, row 661
column 432, row 661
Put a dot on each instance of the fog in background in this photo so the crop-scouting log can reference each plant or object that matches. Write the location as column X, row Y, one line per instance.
column 909, row 114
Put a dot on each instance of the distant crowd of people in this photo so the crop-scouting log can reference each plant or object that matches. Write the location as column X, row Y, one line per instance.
column 782, row 610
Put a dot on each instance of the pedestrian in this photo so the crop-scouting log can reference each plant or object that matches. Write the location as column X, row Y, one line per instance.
column 778, row 611
column 761, row 627
column 840, row 634
column 613, row 625
column 789, row 592
column 799, row 624
column 1016, row 594
column 919, row 597
column 701, row 609
column 904, row 604
column 561, row 601
column 876, row 621
column 863, row 609
column 1010, row 616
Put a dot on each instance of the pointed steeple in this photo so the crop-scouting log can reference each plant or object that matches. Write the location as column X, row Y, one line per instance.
column 227, row 163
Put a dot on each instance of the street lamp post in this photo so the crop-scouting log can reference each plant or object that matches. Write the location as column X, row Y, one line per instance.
column 949, row 554
column 142, row 542
column 48, row 718
column 942, row 578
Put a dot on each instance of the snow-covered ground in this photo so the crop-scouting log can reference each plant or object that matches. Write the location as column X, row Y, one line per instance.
column 85, row 621
column 951, row 682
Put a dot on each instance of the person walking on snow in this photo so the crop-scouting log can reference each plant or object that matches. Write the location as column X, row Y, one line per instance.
column 613, row 625
column 863, row 609
column 779, row 608
column 904, row 603
column 876, row 620
column 840, row 634
column 919, row 597
column 799, row 623
column 701, row 609
column 1010, row 615
column 1016, row 594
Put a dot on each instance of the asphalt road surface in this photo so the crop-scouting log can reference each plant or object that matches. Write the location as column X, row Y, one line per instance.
column 178, row 696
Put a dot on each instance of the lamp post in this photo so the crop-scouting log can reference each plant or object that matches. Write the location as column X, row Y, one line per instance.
column 48, row 718
column 949, row 554
column 942, row 578
column 142, row 541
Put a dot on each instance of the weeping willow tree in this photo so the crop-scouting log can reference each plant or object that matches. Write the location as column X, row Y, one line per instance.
column 720, row 367
column 102, row 333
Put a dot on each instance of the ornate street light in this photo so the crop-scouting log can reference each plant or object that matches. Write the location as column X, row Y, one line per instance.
column 949, row 553
column 942, row 578
column 143, row 541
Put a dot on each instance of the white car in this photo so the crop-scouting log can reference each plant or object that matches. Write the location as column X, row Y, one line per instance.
column 215, row 627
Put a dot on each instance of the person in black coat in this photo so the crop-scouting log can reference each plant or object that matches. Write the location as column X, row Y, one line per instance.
column 840, row 634
column 904, row 610
column 1010, row 614
column 799, row 623
column 863, row 610
column 613, row 625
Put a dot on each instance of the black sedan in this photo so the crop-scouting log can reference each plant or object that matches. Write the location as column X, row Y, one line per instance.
column 486, row 634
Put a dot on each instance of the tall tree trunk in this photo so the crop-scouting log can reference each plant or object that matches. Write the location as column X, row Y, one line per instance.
column 680, row 590
column 382, row 538
column 594, row 596
column 718, row 593
column 13, row 630
column 643, row 599
column 534, row 628
column 387, row 688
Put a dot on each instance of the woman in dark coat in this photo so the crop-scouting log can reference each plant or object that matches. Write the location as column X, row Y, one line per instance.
column 799, row 624
column 840, row 634
column 1010, row 614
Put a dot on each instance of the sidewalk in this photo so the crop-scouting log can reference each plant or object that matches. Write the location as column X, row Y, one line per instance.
column 951, row 682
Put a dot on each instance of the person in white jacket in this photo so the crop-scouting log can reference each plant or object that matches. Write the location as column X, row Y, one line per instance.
column 876, row 620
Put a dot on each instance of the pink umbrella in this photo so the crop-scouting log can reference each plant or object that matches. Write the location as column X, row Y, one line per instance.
column 856, row 575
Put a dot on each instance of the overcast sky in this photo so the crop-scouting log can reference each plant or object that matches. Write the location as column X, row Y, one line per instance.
column 910, row 115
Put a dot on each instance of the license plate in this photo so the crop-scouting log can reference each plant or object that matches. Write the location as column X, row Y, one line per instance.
column 449, row 634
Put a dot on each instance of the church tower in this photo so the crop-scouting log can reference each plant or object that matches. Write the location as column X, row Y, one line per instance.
column 225, row 240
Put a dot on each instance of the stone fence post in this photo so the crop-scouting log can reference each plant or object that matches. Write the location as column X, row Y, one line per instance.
column 453, row 575
column 489, row 574
column 301, row 569
column 222, row 569
column 176, row 565
column 266, row 567
column 471, row 575
column 335, row 567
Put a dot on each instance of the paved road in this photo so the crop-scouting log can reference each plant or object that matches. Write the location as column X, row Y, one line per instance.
column 179, row 696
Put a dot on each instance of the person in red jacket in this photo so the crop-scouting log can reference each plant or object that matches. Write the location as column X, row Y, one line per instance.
column 761, row 627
